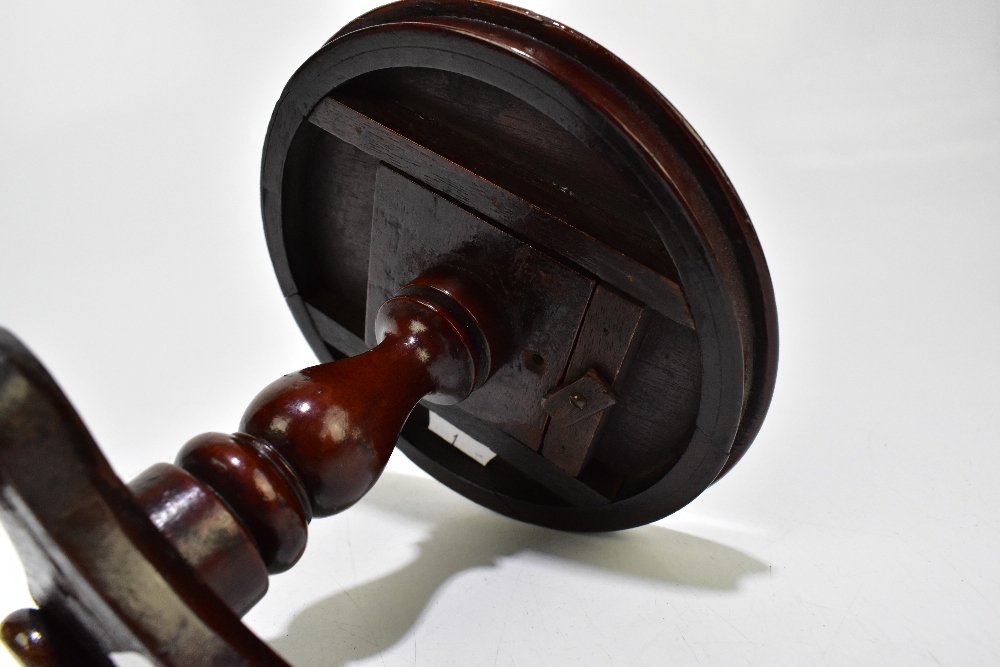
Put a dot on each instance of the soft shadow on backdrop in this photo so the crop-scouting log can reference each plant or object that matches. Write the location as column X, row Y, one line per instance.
column 366, row 619
column 864, row 138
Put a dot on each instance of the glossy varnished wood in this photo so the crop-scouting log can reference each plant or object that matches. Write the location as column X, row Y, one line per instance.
column 471, row 210
column 541, row 132
column 201, row 526
column 38, row 640
column 310, row 444
column 95, row 562
column 337, row 424
column 260, row 487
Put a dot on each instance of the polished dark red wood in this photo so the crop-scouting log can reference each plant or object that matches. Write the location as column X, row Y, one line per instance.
column 259, row 486
column 38, row 641
column 533, row 243
column 204, row 530
column 413, row 228
column 545, row 136
column 237, row 506
column 105, row 577
column 337, row 424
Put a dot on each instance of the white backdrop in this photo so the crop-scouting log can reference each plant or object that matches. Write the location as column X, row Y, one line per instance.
column 864, row 136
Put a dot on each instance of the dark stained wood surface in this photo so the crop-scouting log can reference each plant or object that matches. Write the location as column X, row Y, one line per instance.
column 331, row 186
column 542, row 300
column 609, row 337
column 167, row 565
column 657, row 402
column 576, row 411
column 612, row 259
column 94, row 559
column 545, row 134
column 508, row 216
column 575, row 401
column 489, row 131
column 200, row 525
column 38, row 640
column 563, row 489
column 336, row 424
column 260, row 487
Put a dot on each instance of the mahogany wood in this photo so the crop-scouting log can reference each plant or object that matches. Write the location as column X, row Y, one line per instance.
column 337, row 424
column 37, row 640
column 414, row 228
column 105, row 578
column 550, row 139
column 259, row 486
column 608, row 340
column 203, row 529
column 310, row 444
column 603, row 259
column 533, row 243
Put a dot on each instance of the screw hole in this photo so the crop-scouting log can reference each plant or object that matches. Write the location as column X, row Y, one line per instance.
column 534, row 362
